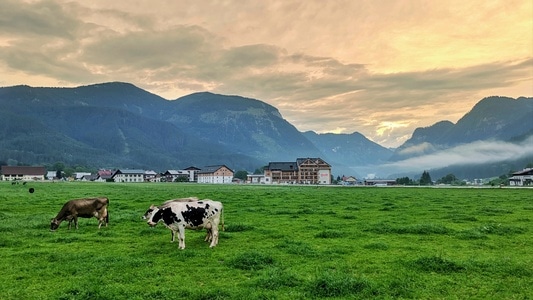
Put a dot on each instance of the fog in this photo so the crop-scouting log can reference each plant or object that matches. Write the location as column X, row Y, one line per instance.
column 480, row 152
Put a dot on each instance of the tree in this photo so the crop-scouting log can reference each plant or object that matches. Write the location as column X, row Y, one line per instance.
column 448, row 179
column 243, row 175
column 182, row 179
column 426, row 179
column 404, row 181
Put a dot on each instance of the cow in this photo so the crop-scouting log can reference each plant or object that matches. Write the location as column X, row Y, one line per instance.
column 177, row 216
column 82, row 208
column 148, row 213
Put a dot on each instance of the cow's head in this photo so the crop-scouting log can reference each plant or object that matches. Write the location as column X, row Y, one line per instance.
column 149, row 215
column 54, row 224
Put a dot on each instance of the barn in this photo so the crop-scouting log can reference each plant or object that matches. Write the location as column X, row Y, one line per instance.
column 23, row 173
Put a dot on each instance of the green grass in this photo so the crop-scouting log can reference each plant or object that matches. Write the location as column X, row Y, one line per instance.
column 281, row 242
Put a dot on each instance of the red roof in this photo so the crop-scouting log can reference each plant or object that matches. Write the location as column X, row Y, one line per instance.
column 23, row 170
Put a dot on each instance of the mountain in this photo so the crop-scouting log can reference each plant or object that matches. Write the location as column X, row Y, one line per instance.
column 492, row 118
column 348, row 152
column 241, row 125
column 118, row 125
column 493, row 138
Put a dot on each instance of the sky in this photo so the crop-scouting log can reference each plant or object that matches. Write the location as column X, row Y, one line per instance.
column 378, row 67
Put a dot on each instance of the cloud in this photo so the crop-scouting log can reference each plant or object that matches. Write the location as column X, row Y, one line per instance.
column 417, row 149
column 381, row 69
column 36, row 20
column 481, row 152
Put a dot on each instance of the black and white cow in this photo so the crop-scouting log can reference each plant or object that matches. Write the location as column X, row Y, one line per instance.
column 148, row 214
column 177, row 216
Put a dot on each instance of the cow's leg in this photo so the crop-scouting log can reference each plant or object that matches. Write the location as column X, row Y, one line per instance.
column 101, row 216
column 214, row 234
column 209, row 233
column 173, row 234
column 104, row 217
column 76, row 221
column 181, row 236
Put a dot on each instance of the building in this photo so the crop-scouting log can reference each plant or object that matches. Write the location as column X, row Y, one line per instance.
column 281, row 172
column 151, row 176
column 128, row 175
column 255, row 178
column 302, row 171
column 215, row 174
column 380, row 182
column 80, row 175
column 51, row 175
column 348, row 180
column 104, row 175
column 193, row 173
column 22, row 173
column 521, row 178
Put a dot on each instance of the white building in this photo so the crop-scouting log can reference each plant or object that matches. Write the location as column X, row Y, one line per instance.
column 128, row 175
column 80, row 175
column 521, row 178
column 215, row 174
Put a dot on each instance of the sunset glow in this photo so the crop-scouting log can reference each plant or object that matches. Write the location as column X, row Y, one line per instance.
column 381, row 68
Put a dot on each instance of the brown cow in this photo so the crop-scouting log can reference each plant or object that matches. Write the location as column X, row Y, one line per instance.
column 82, row 208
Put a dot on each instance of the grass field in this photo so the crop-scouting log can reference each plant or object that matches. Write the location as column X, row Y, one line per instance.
column 281, row 242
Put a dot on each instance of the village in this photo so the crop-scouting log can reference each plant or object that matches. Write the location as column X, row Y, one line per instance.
column 300, row 171
column 310, row 171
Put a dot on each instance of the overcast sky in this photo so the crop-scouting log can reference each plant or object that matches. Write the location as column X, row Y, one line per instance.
column 378, row 67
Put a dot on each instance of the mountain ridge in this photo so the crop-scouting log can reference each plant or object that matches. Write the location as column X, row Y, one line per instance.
column 117, row 124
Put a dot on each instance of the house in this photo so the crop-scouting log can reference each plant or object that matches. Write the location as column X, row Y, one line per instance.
column 521, row 178
column 172, row 175
column 255, row 178
column 193, row 173
column 51, row 175
column 104, row 175
column 128, row 175
column 349, row 180
column 80, row 175
column 90, row 177
column 215, row 174
column 302, row 171
column 151, row 176
column 22, row 173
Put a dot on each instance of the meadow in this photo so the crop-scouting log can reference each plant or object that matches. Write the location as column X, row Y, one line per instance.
column 280, row 242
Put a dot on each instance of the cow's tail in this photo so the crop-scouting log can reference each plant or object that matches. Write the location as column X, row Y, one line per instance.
column 222, row 217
